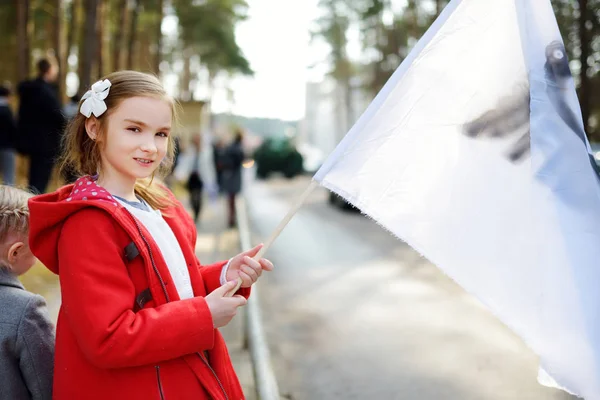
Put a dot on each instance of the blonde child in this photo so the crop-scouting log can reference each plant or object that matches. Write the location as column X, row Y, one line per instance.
column 139, row 314
column 26, row 333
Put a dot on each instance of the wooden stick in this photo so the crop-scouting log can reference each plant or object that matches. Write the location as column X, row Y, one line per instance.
column 279, row 229
column 287, row 219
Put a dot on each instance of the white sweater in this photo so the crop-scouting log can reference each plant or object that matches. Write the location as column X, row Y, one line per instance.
column 169, row 247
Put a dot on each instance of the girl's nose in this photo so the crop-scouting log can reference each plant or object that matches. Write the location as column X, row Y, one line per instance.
column 149, row 146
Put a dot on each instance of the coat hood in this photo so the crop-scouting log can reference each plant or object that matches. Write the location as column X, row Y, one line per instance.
column 49, row 211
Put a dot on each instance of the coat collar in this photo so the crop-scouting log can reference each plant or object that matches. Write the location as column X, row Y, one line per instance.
column 8, row 279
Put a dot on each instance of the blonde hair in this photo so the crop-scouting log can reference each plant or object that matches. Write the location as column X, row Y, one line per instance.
column 14, row 212
column 82, row 154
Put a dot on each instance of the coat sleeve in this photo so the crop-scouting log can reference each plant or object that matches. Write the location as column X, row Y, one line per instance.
column 98, row 296
column 35, row 340
column 211, row 274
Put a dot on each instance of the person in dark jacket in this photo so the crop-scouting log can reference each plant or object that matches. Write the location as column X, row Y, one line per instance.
column 40, row 124
column 231, row 162
column 195, row 183
column 8, row 131
column 218, row 157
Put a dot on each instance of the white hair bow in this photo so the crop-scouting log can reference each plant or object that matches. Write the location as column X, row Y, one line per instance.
column 94, row 99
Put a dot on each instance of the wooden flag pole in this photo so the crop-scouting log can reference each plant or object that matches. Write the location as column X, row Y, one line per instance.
column 280, row 227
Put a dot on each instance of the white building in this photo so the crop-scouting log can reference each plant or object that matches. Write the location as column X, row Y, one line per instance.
column 326, row 122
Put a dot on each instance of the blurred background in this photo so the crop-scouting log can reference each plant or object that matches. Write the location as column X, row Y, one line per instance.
column 302, row 70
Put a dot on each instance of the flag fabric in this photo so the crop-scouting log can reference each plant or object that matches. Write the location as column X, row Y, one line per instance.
column 474, row 153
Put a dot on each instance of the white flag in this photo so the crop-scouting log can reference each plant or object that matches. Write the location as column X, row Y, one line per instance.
column 474, row 153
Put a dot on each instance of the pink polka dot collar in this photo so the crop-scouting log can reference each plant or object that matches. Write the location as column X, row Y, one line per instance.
column 86, row 189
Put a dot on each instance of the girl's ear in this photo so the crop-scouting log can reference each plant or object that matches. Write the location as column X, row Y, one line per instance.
column 92, row 127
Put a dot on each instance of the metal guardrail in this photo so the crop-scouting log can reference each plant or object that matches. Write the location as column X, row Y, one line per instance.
column 254, row 335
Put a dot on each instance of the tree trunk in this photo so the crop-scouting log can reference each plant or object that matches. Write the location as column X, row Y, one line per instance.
column 438, row 7
column 58, row 48
column 144, row 60
column 158, row 56
column 132, row 33
column 211, row 122
column 89, row 44
column 349, row 105
column 100, row 37
column 118, row 39
column 379, row 75
column 413, row 19
column 346, row 84
column 71, row 33
column 81, row 21
column 186, row 76
column 23, row 61
column 584, row 40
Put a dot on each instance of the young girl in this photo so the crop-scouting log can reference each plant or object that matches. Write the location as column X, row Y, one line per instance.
column 139, row 314
column 26, row 333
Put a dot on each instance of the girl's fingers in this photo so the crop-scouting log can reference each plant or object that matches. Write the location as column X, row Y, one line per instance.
column 252, row 263
column 266, row 264
column 257, row 271
column 263, row 263
column 253, row 251
column 246, row 280
column 252, row 273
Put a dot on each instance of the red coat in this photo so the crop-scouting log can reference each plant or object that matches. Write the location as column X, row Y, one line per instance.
column 107, row 347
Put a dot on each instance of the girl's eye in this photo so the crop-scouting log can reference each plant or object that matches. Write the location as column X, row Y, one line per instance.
column 162, row 134
column 134, row 129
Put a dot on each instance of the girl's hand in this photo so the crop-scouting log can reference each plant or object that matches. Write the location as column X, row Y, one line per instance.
column 246, row 268
column 223, row 308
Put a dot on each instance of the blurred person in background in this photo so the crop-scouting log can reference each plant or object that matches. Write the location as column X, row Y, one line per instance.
column 231, row 164
column 40, row 124
column 169, row 179
column 218, row 152
column 8, row 133
column 195, row 183
column 72, row 107
column 193, row 170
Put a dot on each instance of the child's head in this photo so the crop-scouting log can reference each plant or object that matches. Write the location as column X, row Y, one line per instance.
column 15, row 254
column 131, row 140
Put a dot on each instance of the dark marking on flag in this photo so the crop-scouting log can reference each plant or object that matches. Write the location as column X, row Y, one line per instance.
column 510, row 117
column 511, row 114
column 558, row 77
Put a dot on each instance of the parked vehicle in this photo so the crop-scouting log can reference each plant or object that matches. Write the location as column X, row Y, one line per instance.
column 278, row 154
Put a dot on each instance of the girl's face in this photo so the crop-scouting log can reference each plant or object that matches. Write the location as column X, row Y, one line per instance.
column 136, row 138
